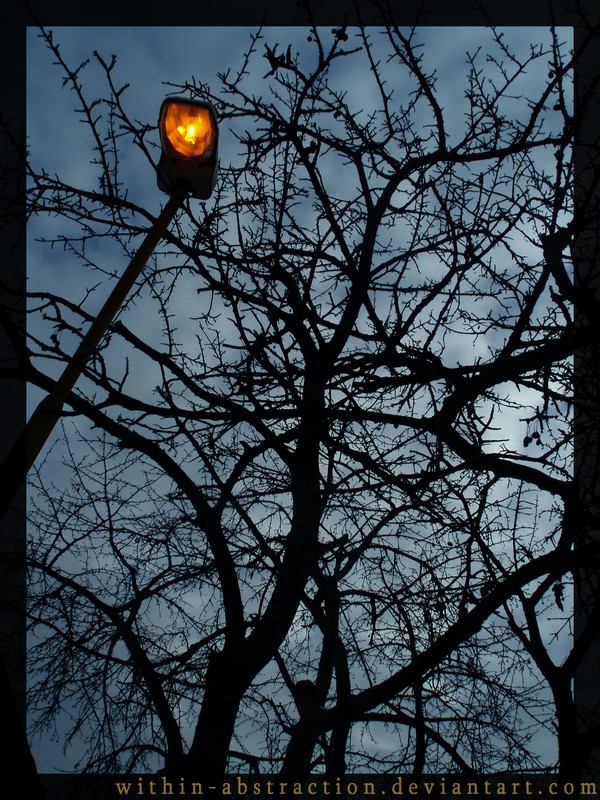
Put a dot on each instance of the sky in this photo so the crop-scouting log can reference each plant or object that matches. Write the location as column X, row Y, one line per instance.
column 149, row 59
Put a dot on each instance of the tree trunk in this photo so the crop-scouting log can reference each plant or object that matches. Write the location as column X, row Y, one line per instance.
column 226, row 683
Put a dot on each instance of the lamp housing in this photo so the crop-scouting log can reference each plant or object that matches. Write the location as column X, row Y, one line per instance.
column 189, row 137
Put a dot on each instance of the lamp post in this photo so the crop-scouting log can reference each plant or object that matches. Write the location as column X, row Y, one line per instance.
column 188, row 166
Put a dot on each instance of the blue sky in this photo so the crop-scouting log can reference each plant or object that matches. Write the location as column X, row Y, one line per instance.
column 148, row 59
column 151, row 58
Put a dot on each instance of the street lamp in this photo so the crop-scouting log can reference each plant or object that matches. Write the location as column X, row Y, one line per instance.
column 187, row 167
column 189, row 139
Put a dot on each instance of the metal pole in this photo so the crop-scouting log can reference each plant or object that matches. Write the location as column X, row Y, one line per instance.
column 41, row 424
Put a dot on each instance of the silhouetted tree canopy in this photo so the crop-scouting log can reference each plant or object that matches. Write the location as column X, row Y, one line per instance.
column 318, row 509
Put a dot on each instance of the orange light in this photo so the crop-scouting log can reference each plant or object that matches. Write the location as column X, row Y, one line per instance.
column 188, row 130
column 189, row 136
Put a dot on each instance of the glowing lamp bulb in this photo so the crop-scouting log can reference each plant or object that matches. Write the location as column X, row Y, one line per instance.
column 189, row 133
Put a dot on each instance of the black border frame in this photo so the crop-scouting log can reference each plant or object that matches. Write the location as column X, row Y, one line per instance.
column 14, row 759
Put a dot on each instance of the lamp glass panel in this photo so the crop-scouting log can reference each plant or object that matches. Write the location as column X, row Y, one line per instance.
column 188, row 128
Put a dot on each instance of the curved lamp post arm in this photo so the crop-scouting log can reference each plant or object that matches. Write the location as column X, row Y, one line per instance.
column 41, row 423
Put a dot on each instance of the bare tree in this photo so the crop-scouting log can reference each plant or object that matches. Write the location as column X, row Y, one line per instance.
column 324, row 516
